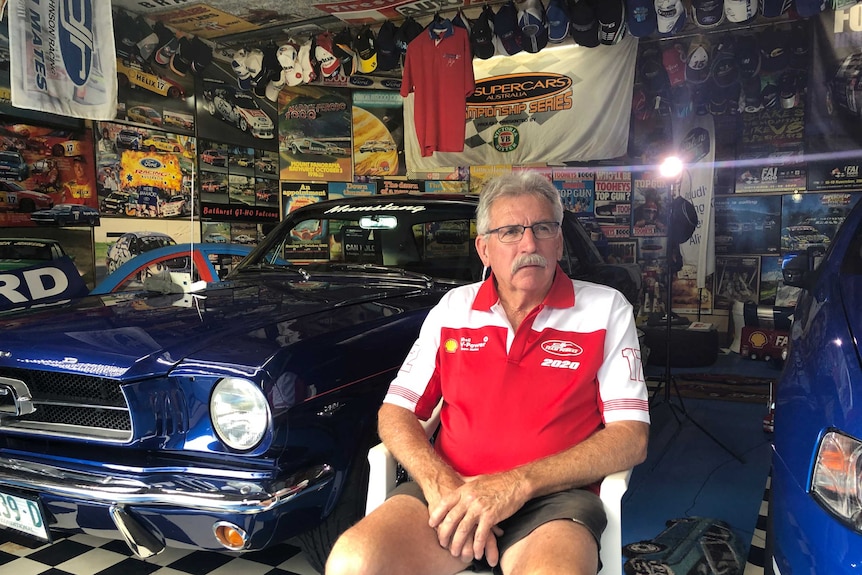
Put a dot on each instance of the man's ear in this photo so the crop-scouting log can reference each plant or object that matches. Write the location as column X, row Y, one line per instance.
column 482, row 249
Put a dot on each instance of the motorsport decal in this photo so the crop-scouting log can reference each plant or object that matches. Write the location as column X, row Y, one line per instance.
column 562, row 347
column 59, row 280
column 390, row 207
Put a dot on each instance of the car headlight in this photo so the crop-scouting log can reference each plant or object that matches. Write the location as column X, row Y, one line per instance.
column 239, row 413
column 836, row 476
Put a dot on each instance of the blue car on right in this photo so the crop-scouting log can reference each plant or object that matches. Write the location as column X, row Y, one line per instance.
column 815, row 513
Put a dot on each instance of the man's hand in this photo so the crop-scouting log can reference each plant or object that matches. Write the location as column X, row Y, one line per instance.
column 466, row 519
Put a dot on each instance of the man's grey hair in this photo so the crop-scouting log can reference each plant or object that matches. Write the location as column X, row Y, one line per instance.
column 516, row 184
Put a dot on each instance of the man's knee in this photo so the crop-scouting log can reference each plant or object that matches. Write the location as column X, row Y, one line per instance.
column 348, row 556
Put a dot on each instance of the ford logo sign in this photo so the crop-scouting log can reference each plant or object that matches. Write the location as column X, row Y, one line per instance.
column 392, row 84
column 151, row 163
column 562, row 347
column 75, row 35
column 361, row 81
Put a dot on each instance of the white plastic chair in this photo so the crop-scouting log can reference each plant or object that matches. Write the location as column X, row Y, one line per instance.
column 383, row 473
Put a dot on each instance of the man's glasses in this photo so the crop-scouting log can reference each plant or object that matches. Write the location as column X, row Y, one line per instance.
column 512, row 234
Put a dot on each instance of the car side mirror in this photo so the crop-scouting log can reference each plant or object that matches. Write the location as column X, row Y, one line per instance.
column 797, row 268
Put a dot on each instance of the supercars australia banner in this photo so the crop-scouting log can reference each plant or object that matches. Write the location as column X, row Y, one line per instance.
column 65, row 58
column 577, row 108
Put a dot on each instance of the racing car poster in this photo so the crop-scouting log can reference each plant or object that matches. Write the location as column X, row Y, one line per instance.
column 577, row 190
column 298, row 194
column 614, row 203
column 237, row 183
column 378, row 133
column 154, row 87
column 314, row 126
column 144, row 173
column 43, row 167
column 833, row 137
column 228, row 113
column 648, row 210
column 772, row 127
column 747, row 224
column 811, row 220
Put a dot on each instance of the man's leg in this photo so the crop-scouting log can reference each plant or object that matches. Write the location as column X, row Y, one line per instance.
column 559, row 547
column 394, row 539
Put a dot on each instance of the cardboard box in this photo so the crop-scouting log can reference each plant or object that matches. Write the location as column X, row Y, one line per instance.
column 764, row 344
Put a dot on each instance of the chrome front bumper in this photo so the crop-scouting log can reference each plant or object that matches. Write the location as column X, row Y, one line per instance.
column 216, row 491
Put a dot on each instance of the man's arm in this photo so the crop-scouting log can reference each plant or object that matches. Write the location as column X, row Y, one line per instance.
column 465, row 516
column 405, row 438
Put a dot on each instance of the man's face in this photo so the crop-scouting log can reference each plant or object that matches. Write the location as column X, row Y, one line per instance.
column 525, row 211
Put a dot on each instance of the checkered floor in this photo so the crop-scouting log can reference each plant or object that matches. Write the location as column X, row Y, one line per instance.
column 756, row 554
column 86, row 555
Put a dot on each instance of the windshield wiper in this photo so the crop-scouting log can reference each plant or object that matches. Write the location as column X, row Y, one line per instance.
column 272, row 267
column 376, row 268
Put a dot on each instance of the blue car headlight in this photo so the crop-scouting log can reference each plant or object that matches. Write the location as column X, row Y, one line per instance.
column 836, row 476
column 239, row 413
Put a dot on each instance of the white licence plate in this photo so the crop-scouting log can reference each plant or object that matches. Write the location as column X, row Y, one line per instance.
column 22, row 514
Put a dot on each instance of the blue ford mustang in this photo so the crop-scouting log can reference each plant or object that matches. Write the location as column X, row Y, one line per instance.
column 815, row 514
column 239, row 416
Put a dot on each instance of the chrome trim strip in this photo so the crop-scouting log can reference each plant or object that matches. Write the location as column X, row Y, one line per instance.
column 66, row 430
column 162, row 490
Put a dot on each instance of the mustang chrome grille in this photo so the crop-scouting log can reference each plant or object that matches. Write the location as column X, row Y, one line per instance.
column 71, row 405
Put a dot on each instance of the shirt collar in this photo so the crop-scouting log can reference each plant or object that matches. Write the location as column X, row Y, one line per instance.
column 441, row 29
column 561, row 294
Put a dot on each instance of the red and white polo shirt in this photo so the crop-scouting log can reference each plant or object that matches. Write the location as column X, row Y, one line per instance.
column 513, row 397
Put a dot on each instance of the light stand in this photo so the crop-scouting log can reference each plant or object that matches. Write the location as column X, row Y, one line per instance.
column 675, row 402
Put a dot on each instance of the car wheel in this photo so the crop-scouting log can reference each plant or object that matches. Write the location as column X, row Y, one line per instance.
column 642, row 548
column 27, row 206
column 152, row 148
column 211, row 108
column 57, row 150
column 243, row 124
column 317, row 543
column 173, row 92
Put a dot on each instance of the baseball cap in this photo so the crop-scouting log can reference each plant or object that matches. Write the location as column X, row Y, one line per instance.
column 611, row 15
column 673, row 60
column 707, row 13
column 584, row 24
column 670, row 16
column 460, row 20
column 640, row 17
column 366, row 50
column 774, row 55
column 507, row 30
column 534, row 25
column 406, row 33
column 747, row 56
column 325, row 55
column 388, row 55
column 305, row 62
column 342, row 47
column 774, row 8
column 724, row 68
column 482, row 35
column 651, row 69
column 697, row 64
column 558, row 21
column 291, row 73
column 738, row 11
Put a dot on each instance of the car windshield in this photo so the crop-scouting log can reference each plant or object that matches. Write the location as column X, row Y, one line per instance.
column 430, row 241
column 25, row 251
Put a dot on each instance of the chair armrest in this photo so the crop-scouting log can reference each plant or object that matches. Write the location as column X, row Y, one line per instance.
column 611, row 492
column 381, row 476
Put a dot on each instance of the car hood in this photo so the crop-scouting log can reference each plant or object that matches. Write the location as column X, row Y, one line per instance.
column 128, row 336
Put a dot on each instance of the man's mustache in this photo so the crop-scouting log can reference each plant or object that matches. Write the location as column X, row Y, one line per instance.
column 529, row 260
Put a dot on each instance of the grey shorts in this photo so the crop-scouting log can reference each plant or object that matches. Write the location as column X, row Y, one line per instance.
column 579, row 505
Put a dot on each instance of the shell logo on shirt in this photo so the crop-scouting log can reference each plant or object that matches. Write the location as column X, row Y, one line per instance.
column 450, row 346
